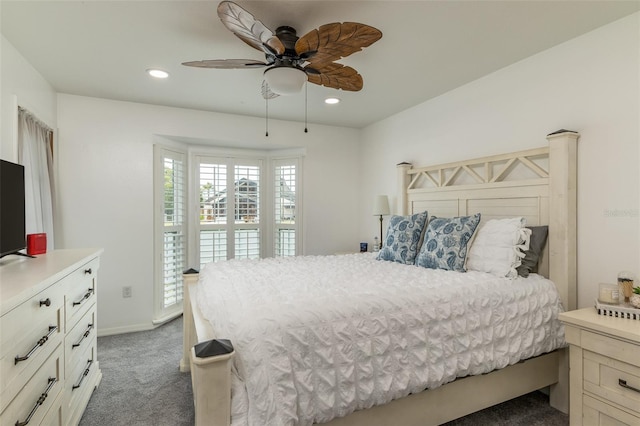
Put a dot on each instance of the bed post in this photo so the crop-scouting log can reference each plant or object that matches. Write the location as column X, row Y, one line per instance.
column 403, row 183
column 563, row 212
column 189, row 339
column 563, row 240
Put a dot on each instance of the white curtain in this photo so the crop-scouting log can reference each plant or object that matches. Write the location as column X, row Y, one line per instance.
column 34, row 153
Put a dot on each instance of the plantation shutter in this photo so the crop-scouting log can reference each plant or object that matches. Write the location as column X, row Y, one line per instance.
column 285, row 202
column 171, row 231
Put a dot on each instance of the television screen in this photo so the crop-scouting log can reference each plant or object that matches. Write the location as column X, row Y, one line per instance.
column 12, row 220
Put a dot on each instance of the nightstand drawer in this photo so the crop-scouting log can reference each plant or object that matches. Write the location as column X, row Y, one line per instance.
column 613, row 348
column 597, row 413
column 613, row 380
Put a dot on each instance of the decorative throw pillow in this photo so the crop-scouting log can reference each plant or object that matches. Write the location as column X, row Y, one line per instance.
column 499, row 247
column 445, row 242
column 532, row 256
column 403, row 238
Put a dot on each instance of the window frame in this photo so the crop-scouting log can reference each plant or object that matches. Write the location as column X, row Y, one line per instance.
column 231, row 225
column 281, row 161
column 163, row 313
column 268, row 159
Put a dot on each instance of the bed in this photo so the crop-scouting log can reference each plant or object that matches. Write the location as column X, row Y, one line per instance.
column 538, row 184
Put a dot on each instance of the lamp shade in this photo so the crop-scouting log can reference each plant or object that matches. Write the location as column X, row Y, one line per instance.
column 285, row 80
column 381, row 205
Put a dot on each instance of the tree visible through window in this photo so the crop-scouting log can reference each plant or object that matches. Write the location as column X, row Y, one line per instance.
column 171, row 219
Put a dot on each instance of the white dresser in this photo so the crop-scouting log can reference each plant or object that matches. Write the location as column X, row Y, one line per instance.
column 604, row 368
column 48, row 363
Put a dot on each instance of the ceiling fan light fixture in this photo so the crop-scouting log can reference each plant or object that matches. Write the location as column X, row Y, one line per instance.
column 332, row 101
column 285, row 80
column 157, row 73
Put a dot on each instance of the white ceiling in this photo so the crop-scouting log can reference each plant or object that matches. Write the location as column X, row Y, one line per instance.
column 102, row 49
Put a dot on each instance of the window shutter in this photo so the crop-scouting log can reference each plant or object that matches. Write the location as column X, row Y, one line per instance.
column 285, row 208
column 171, row 229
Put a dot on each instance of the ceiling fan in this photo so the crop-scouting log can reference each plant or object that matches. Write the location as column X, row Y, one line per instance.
column 292, row 60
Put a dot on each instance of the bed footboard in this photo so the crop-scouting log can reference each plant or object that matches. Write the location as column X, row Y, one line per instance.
column 210, row 376
column 211, row 383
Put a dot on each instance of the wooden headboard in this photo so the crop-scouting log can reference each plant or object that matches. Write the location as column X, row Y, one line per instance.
column 538, row 184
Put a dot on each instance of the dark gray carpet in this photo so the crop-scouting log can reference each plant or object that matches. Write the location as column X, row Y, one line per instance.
column 142, row 386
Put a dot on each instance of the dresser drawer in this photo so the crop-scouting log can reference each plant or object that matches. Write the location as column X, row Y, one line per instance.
column 54, row 416
column 598, row 413
column 80, row 382
column 29, row 334
column 39, row 394
column 81, row 292
column 82, row 336
column 613, row 380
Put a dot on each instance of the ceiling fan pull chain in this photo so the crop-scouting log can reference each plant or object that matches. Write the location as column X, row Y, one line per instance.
column 305, row 107
column 266, row 125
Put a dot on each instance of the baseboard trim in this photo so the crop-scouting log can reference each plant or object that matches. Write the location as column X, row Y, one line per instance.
column 126, row 329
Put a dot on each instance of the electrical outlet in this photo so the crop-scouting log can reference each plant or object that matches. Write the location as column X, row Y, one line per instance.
column 126, row 291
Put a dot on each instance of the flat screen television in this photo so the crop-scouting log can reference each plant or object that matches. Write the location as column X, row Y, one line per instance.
column 12, row 219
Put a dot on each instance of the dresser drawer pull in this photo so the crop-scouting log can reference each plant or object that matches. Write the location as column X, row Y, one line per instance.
column 88, row 271
column 624, row 384
column 86, row 334
column 85, row 297
column 42, row 341
column 52, row 381
column 45, row 302
column 84, row 374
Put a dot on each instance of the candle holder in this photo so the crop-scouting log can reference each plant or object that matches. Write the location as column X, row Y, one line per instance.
column 625, row 285
column 609, row 294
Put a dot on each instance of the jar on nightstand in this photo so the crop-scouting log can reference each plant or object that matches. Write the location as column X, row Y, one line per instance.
column 625, row 285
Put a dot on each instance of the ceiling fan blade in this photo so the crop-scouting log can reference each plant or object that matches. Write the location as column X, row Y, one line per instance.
column 266, row 91
column 226, row 63
column 250, row 30
column 336, row 76
column 333, row 41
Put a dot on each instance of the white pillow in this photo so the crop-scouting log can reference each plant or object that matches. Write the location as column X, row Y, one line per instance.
column 499, row 247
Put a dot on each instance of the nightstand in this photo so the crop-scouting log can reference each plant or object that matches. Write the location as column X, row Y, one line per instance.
column 604, row 359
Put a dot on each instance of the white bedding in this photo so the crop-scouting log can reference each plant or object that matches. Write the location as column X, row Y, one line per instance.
column 319, row 337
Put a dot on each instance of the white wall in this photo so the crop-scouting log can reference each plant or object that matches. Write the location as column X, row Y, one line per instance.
column 590, row 85
column 106, row 187
column 21, row 84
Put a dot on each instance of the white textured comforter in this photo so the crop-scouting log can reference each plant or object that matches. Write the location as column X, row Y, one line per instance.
column 319, row 337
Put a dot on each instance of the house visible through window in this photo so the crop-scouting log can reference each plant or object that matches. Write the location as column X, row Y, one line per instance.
column 229, row 221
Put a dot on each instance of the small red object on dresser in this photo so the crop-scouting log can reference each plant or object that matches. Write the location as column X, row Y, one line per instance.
column 36, row 243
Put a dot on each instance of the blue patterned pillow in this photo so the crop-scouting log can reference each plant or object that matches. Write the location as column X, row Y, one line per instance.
column 445, row 243
column 403, row 238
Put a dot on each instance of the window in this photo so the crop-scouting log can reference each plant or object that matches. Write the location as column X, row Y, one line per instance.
column 285, row 206
column 239, row 208
column 229, row 218
column 170, row 214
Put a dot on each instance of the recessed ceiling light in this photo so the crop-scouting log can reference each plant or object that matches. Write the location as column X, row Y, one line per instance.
column 157, row 73
column 332, row 101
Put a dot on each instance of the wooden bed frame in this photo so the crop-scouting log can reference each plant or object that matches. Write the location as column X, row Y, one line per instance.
column 539, row 184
